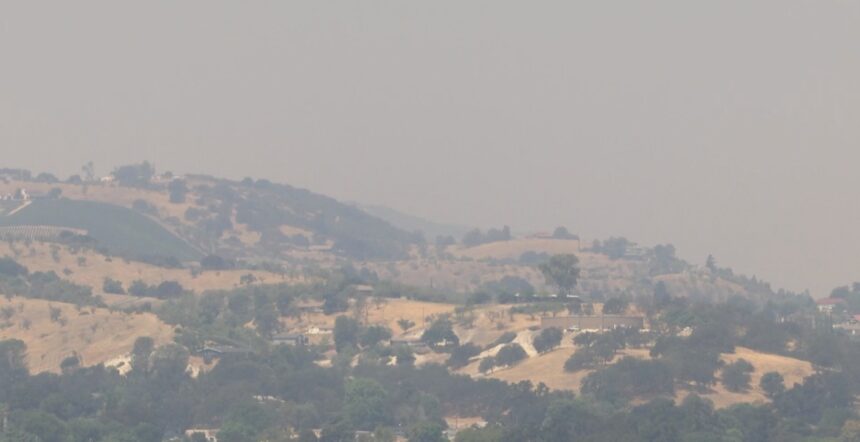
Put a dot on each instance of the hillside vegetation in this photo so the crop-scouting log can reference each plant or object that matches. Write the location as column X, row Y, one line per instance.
column 252, row 219
column 90, row 268
column 117, row 230
column 284, row 314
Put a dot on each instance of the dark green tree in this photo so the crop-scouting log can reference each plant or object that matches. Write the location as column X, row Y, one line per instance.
column 773, row 384
column 461, row 355
column 365, row 404
column 548, row 339
column 346, row 332
column 426, row 432
column 374, row 334
column 13, row 366
column 510, row 354
column 562, row 271
column 440, row 335
column 615, row 306
column 736, row 376
column 140, row 353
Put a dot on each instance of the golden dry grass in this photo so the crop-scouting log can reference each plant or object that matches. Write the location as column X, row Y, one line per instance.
column 97, row 335
column 514, row 248
column 451, row 275
column 386, row 312
column 493, row 321
column 792, row 370
column 549, row 369
column 97, row 267
column 465, row 274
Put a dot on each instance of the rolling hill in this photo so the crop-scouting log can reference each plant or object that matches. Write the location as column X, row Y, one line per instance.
column 117, row 230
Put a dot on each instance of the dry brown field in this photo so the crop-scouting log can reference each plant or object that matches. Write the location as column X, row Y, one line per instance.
column 97, row 335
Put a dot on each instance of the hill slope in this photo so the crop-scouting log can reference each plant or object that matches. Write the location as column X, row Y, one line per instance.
column 116, row 229
column 97, row 335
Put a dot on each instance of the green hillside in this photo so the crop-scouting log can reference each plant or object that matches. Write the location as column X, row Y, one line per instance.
column 264, row 207
column 117, row 230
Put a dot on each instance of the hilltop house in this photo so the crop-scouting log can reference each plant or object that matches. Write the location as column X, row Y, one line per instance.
column 593, row 322
column 635, row 251
column 309, row 306
column 210, row 353
column 291, row 339
column 318, row 330
column 826, row 305
column 362, row 290
column 211, row 435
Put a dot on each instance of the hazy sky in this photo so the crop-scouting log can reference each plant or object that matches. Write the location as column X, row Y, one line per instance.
column 724, row 127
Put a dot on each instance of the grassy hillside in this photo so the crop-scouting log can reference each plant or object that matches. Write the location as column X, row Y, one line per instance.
column 265, row 207
column 117, row 230
column 97, row 335
column 549, row 369
column 89, row 268
column 248, row 219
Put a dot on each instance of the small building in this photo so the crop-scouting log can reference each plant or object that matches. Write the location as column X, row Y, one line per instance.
column 850, row 328
column 409, row 342
column 415, row 344
column 826, row 305
column 210, row 353
column 317, row 330
column 291, row 339
column 210, row 434
column 362, row 290
column 593, row 322
column 310, row 306
column 634, row 251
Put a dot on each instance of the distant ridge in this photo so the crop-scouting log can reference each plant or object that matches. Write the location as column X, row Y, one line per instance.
column 412, row 223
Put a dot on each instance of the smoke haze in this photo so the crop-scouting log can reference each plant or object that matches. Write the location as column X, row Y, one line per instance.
column 724, row 127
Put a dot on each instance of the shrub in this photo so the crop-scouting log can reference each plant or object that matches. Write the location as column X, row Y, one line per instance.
column 138, row 288
column 168, row 289
column 215, row 262
column 113, row 286
column 487, row 364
